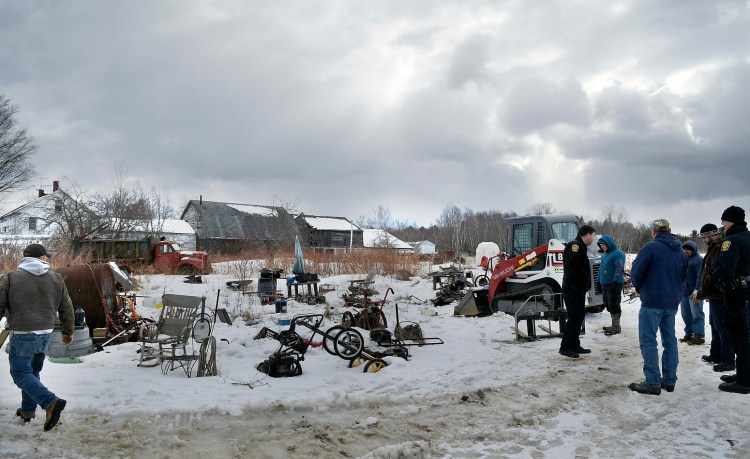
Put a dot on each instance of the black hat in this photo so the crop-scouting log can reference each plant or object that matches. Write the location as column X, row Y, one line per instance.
column 34, row 250
column 708, row 230
column 733, row 214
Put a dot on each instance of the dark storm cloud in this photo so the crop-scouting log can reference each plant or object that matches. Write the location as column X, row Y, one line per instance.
column 535, row 104
column 410, row 105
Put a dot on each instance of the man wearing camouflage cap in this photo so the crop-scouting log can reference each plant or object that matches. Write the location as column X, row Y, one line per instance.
column 721, row 353
column 658, row 272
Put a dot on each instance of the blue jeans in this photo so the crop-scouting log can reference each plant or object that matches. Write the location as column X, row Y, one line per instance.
column 721, row 340
column 649, row 321
column 693, row 316
column 26, row 359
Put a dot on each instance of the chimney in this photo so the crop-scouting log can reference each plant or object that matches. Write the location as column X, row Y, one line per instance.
column 55, row 185
column 41, row 192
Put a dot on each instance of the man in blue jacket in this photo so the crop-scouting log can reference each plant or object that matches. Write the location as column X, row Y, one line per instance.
column 611, row 277
column 658, row 272
column 690, row 306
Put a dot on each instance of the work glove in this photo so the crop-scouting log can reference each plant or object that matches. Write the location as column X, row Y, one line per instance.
column 694, row 297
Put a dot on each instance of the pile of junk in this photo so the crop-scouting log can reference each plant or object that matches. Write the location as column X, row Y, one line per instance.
column 104, row 307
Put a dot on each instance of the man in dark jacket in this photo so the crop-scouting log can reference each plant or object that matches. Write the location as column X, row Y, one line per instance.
column 732, row 274
column 32, row 297
column 576, row 282
column 658, row 272
column 611, row 277
column 690, row 306
column 721, row 353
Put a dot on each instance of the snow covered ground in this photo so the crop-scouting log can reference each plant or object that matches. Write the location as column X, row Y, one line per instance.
column 482, row 394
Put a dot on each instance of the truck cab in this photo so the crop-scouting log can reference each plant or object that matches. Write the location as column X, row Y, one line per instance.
column 169, row 257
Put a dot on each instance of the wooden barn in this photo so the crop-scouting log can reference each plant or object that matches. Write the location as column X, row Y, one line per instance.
column 222, row 227
column 329, row 233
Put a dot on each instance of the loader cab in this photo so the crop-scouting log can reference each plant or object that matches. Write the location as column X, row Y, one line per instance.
column 526, row 233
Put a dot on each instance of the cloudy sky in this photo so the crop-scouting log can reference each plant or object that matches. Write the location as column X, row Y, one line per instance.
column 344, row 106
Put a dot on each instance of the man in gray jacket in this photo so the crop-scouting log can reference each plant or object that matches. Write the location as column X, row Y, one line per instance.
column 32, row 297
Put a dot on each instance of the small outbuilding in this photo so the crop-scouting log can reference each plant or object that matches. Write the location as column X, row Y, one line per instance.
column 424, row 248
column 329, row 233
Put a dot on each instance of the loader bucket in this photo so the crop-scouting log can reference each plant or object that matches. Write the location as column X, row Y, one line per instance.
column 474, row 303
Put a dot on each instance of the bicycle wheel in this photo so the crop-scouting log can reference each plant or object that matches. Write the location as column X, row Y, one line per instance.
column 328, row 343
column 348, row 344
column 201, row 328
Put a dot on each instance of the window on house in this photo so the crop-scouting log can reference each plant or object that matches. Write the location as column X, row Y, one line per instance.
column 58, row 205
column 32, row 223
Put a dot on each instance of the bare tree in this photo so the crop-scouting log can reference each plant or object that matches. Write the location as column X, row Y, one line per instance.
column 125, row 209
column 16, row 146
column 71, row 216
column 450, row 221
column 289, row 204
column 382, row 221
column 540, row 208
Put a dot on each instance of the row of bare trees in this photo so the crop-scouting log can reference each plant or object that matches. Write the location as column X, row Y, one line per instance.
column 122, row 210
column 461, row 230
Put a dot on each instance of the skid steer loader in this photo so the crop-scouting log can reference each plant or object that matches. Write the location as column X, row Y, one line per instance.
column 528, row 280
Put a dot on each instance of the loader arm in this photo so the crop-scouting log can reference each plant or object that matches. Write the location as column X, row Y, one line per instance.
column 506, row 268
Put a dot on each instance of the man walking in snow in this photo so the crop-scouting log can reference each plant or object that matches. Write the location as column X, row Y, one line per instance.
column 32, row 297
column 658, row 272
column 611, row 277
column 732, row 273
column 576, row 282
column 721, row 352
column 690, row 306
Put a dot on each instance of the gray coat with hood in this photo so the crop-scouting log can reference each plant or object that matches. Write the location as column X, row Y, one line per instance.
column 33, row 296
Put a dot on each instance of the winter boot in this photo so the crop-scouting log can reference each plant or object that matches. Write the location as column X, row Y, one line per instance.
column 615, row 328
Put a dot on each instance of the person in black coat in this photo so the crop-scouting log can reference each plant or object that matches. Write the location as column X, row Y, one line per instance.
column 576, row 282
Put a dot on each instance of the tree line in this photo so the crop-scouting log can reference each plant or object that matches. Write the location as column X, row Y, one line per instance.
column 461, row 230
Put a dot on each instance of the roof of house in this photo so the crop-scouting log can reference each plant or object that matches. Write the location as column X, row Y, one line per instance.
column 373, row 236
column 36, row 201
column 224, row 220
column 329, row 223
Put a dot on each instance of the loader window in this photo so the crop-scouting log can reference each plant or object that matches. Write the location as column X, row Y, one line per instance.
column 566, row 231
column 522, row 238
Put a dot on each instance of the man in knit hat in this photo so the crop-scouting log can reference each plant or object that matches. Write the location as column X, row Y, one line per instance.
column 32, row 297
column 732, row 273
column 721, row 353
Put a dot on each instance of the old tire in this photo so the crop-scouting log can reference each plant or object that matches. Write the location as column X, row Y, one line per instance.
column 328, row 343
column 347, row 320
column 349, row 344
column 481, row 280
column 375, row 365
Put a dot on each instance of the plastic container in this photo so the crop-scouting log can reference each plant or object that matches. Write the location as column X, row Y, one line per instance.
column 280, row 305
column 285, row 321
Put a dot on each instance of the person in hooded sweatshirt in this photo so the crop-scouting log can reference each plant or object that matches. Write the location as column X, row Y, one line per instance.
column 32, row 297
column 658, row 273
column 690, row 306
column 611, row 277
